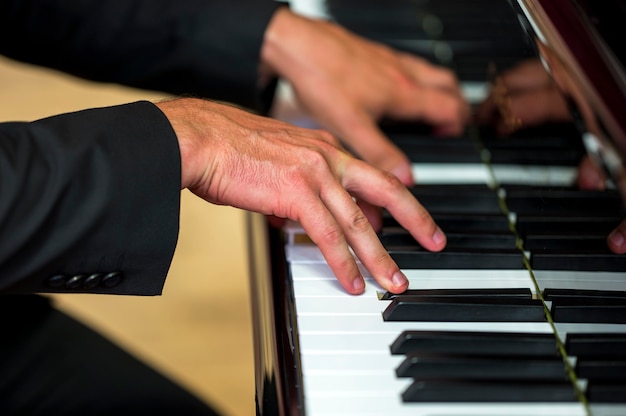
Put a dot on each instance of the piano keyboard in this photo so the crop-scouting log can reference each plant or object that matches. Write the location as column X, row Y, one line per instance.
column 523, row 313
column 526, row 267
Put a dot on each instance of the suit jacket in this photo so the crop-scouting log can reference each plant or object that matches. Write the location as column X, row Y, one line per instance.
column 89, row 201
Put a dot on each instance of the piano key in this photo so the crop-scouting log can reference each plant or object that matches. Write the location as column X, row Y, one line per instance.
column 455, row 240
column 317, row 279
column 607, row 393
column 416, row 258
column 457, row 309
column 484, row 391
column 351, row 404
column 607, row 371
column 467, row 199
column 583, row 295
column 428, row 149
column 558, row 260
column 356, row 362
column 577, row 279
column 557, row 201
column 326, row 324
column 492, row 344
column 439, row 173
column 461, row 222
column 574, row 312
column 588, row 243
column 537, row 175
column 509, row 368
column 520, row 293
column 526, row 224
column 596, row 345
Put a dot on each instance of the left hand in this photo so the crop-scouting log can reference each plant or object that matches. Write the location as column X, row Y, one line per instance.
column 348, row 83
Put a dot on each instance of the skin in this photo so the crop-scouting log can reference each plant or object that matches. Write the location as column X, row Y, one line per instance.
column 348, row 83
column 232, row 157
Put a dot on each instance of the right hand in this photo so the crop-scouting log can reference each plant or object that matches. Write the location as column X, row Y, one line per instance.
column 232, row 157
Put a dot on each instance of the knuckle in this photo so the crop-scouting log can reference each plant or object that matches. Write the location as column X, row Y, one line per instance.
column 332, row 236
column 392, row 182
column 358, row 223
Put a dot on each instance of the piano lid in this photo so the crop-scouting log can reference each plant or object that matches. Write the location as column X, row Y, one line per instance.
column 577, row 42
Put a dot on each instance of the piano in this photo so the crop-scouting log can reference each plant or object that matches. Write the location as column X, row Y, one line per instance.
column 524, row 312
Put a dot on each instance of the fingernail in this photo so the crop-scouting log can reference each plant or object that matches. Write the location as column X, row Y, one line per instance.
column 399, row 279
column 358, row 284
column 616, row 238
column 439, row 237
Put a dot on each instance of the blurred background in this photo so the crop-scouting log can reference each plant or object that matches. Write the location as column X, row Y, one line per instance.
column 199, row 331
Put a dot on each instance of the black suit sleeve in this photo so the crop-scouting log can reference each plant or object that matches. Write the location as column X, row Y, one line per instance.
column 89, row 202
column 207, row 48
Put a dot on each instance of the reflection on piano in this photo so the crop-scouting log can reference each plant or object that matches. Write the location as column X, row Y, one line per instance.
column 524, row 312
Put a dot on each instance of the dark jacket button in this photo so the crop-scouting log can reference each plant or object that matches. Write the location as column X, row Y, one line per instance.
column 112, row 279
column 56, row 281
column 75, row 281
column 92, row 280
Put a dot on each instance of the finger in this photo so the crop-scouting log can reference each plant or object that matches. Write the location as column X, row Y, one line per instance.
column 363, row 240
column 323, row 229
column 362, row 134
column 447, row 112
column 617, row 239
column 430, row 75
column 590, row 176
column 386, row 191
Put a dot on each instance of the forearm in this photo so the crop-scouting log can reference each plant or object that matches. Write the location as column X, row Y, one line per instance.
column 208, row 48
column 89, row 193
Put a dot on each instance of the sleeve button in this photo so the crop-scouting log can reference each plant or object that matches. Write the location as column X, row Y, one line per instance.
column 112, row 279
column 92, row 281
column 75, row 281
column 56, row 281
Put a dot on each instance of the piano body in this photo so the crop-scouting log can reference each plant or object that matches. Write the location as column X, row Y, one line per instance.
column 524, row 312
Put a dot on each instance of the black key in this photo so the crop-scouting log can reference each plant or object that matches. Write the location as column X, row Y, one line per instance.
column 489, row 392
column 418, row 258
column 601, row 370
column 591, row 262
column 587, row 306
column 462, row 309
column 482, row 344
column 434, row 149
column 401, row 237
column 582, row 295
column 462, row 222
column 562, row 201
column 520, row 293
column 602, row 345
column 576, row 225
column 536, row 156
column 589, row 243
column 477, row 199
column 481, row 368
column 572, row 311
column 606, row 393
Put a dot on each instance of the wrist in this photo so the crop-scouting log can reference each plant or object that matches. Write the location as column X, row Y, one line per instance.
column 282, row 43
column 176, row 111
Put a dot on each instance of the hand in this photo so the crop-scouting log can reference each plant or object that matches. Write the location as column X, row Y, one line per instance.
column 235, row 158
column 348, row 83
column 523, row 96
